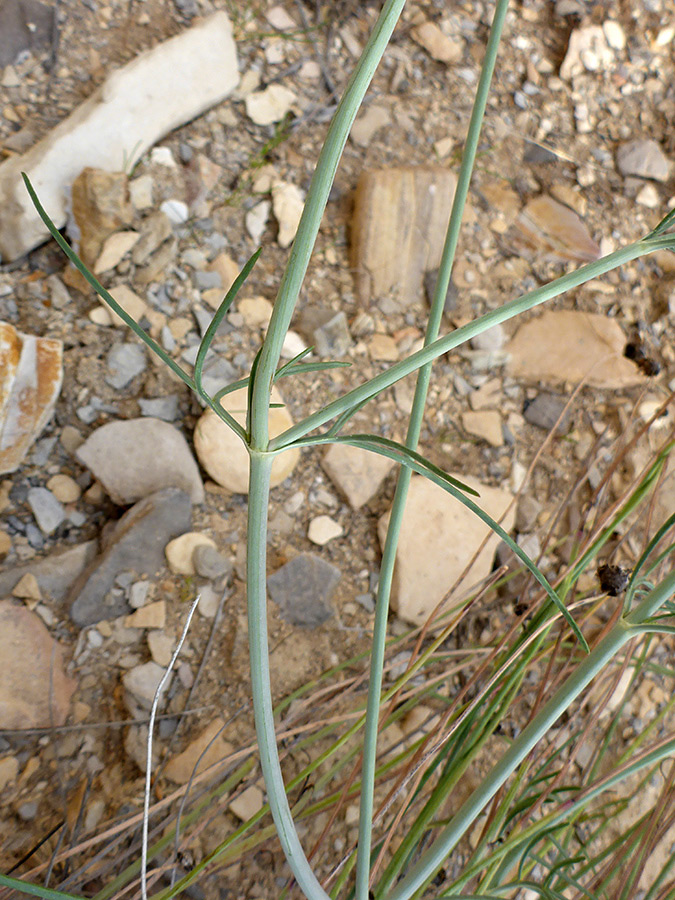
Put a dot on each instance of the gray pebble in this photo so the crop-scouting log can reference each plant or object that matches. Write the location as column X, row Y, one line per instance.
column 48, row 512
column 165, row 408
column 28, row 810
column 207, row 280
column 332, row 339
column 125, row 362
column 209, row 563
column 302, row 588
column 544, row 411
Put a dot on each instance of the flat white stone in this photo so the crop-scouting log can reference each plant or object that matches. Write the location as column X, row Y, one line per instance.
column 138, row 104
column 323, row 529
column 269, row 106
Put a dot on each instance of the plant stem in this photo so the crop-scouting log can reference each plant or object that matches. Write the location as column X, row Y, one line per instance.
column 405, row 474
column 317, row 198
column 588, row 668
column 256, row 562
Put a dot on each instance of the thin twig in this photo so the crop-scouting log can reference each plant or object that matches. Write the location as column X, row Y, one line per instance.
column 148, row 762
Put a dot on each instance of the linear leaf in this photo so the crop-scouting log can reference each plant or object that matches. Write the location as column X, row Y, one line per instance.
column 220, row 315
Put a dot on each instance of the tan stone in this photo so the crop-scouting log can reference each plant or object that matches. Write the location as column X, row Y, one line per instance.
column 115, row 248
column 437, row 44
column 181, row 767
column 398, row 229
column 549, row 227
column 222, row 453
column 31, row 372
column 256, row 311
column 64, row 488
column 100, row 205
column 151, row 616
column 485, row 424
column 383, row 347
column 439, row 537
column 248, row 803
column 34, row 689
column 357, row 473
column 568, row 346
column 9, row 769
column 5, row 543
column 161, row 648
column 228, row 270
column 129, row 301
column 323, row 529
column 179, row 551
column 27, row 588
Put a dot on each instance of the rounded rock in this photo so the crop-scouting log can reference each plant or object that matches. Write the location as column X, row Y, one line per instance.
column 134, row 458
column 180, row 550
column 223, row 455
column 64, row 488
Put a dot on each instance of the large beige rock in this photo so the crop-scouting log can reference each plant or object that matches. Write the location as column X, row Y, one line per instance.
column 439, row 537
column 35, row 691
column 136, row 105
column 31, row 372
column 567, row 346
column 225, row 457
column 549, row 227
column 398, row 229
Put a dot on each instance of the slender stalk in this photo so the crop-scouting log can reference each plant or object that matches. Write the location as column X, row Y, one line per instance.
column 588, row 668
column 460, row 335
column 259, row 486
column 317, row 198
column 405, row 473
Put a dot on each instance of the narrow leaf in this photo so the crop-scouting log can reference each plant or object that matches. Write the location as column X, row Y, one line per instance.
column 101, row 291
column 35, row 890
column 220, row 315
column 251, row 385
column 663, row 225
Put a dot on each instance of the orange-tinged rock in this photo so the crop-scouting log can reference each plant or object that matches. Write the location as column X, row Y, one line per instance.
column 568, row 346
column 34, row 689
column 551, row 228
column 31, row 372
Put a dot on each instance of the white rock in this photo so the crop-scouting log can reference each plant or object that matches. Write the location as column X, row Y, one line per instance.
column 222, row 453
column 129, row 301
column 256, row 219
column 614, row 35
column 138, row 104
column 162, row 156
column 269, row 106
column 176, row 211
column 293, row 344
column 439, row 537
column 648, row 196
column 142, row 682
column 323, row 529
column 288, row 201
column 587, row 50
column 179, row 551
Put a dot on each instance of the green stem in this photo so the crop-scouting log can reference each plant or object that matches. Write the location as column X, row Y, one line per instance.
column 256, row 567
column 412, row 440
column 317, row 198
column 460, row 335
column 625, row 629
